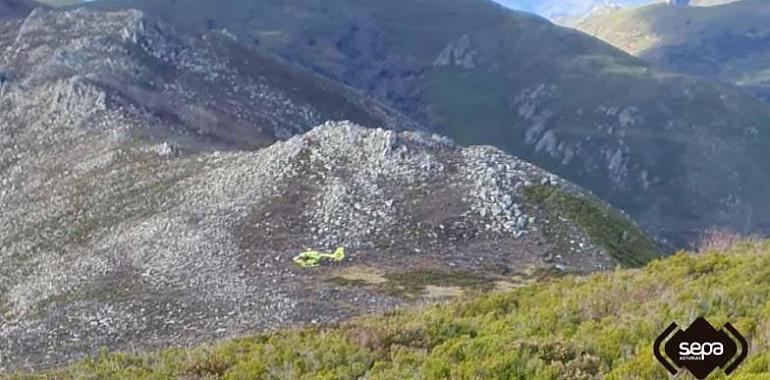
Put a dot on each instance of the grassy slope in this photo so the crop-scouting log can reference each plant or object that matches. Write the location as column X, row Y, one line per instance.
column 727, row 40
column 675, row 24
column 604, row 226
column 60, row 3
column 600, row 326
column 709, row 3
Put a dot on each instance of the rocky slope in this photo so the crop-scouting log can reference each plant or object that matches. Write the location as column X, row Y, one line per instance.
column 104, row 70
column 730, row 42
column 127, row 247
column 677, row 153
column 136, row 214
column 596, row 327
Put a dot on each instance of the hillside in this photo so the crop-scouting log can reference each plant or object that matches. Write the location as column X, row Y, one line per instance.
column 676, row 153
column 137, row 211
column 194, row 94
column 730, row 42
column 16, row 8
column 595, row 327
column 137, row 249
column 557, row 10
column 710, row 3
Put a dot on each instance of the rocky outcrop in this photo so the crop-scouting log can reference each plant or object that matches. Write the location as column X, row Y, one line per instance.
column 458, row 53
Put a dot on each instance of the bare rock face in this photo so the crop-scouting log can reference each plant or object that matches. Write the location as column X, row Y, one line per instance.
column 458, row 53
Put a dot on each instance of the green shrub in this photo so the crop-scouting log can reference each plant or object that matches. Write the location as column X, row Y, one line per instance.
column 606, row 228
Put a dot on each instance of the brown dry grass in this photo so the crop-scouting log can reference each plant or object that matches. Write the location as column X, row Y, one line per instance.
column 721, row 240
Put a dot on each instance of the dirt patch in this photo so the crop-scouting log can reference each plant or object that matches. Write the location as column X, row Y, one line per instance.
column 440, row 292
column 413, row 285
column 362, row 275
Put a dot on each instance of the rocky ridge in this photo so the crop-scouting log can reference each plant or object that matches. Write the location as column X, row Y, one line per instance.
column 108, row 69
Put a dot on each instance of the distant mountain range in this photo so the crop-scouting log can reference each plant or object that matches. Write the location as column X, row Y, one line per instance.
column 562, row 9
column 558, row 10
column 729, row 42
column 570, row 10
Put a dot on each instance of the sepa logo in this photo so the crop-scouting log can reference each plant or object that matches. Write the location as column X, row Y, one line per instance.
column 701, row 349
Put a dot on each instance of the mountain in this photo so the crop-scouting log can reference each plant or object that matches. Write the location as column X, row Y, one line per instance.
column 677, row 153
column 138, row 211
column 710, row 3
column 599, row 327
column 565, row 10
column 729, row 42
column 196, row 94
column 16, row 8
column 556, row 10
column 62, row 3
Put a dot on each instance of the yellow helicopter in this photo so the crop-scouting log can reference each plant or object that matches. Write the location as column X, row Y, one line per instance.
column 312, row 258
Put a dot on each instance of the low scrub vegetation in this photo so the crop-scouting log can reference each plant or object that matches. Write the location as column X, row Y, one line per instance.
column 606, row 228
column 595, row 327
